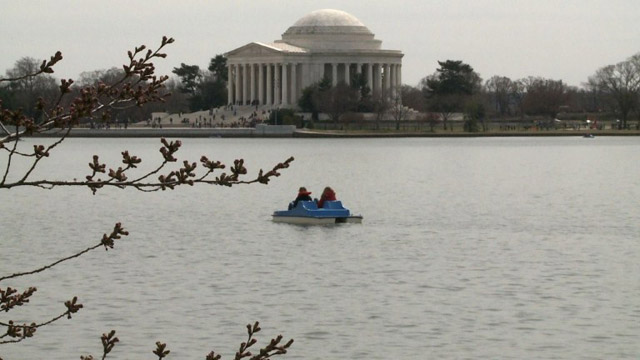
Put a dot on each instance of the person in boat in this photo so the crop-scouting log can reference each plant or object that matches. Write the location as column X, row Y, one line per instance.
column 303, row 195
column 327, row 195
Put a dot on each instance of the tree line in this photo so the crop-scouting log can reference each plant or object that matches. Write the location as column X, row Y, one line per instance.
column 612, row 92
column 191, row 89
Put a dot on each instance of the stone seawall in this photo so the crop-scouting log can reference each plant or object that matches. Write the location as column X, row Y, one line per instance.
column 258, row 131
column 284, row 131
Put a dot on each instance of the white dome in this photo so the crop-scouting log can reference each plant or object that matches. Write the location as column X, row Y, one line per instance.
column 330, row 29
column 328, row 17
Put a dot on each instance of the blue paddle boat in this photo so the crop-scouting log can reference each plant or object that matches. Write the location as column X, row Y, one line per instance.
column 308, row 213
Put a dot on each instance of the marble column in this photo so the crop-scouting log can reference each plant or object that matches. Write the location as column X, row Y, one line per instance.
column 294, row 83
column 237, row 81
column 370, row 76
column 277, row 86
column 359, row 72
column 399, row 82
column 261, row 84
column 334, row 74
column 285, row 83
column 378, row 79
column 394, row 87
column 230, row 84
column 387, row 80
column 253, row 82
column 245, row 83
column 347, row 76
column 269, row 86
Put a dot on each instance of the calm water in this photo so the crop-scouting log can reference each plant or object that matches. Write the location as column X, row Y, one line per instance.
column 470, row 249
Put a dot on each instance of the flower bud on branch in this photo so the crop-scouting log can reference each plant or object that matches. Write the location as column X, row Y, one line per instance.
column 169, row 149
column 47, row 67
column 39, row 151
column 108, row 241
column 160, row 350
column 65, row 86
column 130, row 161
column 96, row 166
column 211, row 165
column 21, row 331
column 118, row 174
column 9, row 298
column 212, row 356
column 108, row 342
column 72, row 306
column 238, row 168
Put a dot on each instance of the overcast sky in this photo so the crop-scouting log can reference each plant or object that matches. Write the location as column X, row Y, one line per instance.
column 559, row 39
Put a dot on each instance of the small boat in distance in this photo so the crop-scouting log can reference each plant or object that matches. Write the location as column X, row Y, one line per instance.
column 308, row 213
column 588, row 136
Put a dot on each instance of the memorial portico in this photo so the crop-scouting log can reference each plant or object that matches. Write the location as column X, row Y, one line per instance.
column 322, row 44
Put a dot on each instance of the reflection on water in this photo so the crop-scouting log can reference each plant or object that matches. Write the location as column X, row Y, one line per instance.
column 470, row 248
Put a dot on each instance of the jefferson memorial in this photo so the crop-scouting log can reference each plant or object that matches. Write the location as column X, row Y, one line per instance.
column 325, row 43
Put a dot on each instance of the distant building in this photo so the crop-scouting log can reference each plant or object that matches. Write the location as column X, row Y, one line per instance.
column 322, row 44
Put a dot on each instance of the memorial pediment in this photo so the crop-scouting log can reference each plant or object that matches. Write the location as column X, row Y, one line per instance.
column 254, row 48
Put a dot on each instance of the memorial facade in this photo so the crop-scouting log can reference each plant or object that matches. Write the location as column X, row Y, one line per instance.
column 325, row 43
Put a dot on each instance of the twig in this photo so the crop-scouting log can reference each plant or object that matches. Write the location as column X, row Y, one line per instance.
column 107, row 242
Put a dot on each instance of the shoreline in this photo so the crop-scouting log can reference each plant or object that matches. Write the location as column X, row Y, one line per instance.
column 284, row 131
column 454, row 134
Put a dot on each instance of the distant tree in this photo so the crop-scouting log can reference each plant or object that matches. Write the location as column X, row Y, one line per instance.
column 178, row 101
column 545, row 96
column 590, row 98
column 284, row 116
column 380, row 106
column 210, row 93
column 204, row 90
column 308, row 102
column 6, row 96
column 432, row 120
column 190, row 76
column 500, row 90
column 23, row 91
column 518, row 92
column 443, row 104
column 359, row 82
column 449, row 88
column 474, row 113
column 324, row 84
column 338, row 100
column 398, row 111
column 620, row 83
column 95, row 77
column 453, row 77
column 218, row 67
column 364, row 100
column 412, row 97
column 312, row 97
column 118, row 114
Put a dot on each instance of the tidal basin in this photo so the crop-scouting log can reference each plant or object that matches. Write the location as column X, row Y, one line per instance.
column 470, row 248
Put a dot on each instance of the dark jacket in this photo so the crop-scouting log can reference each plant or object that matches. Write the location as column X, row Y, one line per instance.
column 302, row 196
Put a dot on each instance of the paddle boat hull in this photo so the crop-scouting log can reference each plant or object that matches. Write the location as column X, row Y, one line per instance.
column 308, row 213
